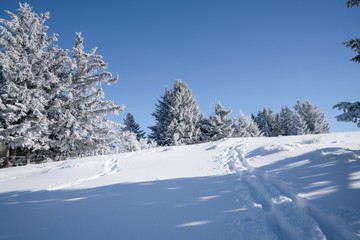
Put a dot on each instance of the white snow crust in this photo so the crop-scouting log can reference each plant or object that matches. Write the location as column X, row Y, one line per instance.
column 298, row 187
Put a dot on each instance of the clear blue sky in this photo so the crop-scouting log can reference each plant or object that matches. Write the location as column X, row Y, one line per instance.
column 246, row 54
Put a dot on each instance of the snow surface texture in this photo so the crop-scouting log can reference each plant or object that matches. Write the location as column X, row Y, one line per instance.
column 299, row 187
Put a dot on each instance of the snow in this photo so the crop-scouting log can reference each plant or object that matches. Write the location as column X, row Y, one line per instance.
column 296, row 187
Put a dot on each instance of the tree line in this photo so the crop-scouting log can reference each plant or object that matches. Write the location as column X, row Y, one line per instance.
column 179, row 121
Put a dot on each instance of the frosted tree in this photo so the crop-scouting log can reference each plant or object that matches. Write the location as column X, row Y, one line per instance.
column 30, row 66
column 218, row 126
column 177, row 117
column 265, row 121
column 88, row 127
column 276, row 127
column 129, row 142
column 313, row 117
column 286, row 121
column 186, row 115
column 351, row 111
column 299, row 126
column 132, row 126
column 246, row 127
column 354, row 44
column 163, row 116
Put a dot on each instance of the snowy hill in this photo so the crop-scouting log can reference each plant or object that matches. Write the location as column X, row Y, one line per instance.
column 300, row 187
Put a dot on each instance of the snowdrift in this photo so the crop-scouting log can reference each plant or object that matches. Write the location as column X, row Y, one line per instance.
column 299, row 187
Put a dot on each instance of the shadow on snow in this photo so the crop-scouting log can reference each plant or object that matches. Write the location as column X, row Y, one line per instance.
column 328, row 175
column 189, row 208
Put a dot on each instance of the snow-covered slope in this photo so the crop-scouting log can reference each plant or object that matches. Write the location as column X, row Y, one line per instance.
column 301, row 187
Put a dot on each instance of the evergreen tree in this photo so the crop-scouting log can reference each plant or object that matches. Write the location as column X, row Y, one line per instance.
column 265, row 120
column 50, row 103
column 351, row 111
column 352, row 3
column 132, row 126
column 129, row 142
column 163, row 116
column 218, row 126
column 177, row 117
column 246, row 127
column 313, row 117
column 286, row 121
column 89, row 129
column 30, row 64
column 354, row 44
column 299, row 126
column 276, row 128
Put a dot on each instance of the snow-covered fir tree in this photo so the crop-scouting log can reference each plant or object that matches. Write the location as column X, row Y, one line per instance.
column 177, row 117
column 132, row 126
column 129, row 142
column 313, row 117
column 163, row 116
column 245, row 127
column 51, row 103
column 89, row 129
column 286, row 121
column 299, row 126
column 30, row 67
column 187, row 115
column 265, row 120
column 217, row 126
column 354, row 44
column 351, row 112
column 276, row 128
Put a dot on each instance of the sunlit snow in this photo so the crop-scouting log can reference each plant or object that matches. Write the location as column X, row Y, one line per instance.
column 299, row 187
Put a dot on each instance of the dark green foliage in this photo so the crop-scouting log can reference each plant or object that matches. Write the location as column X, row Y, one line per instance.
column 132, row 126
column 352, row 3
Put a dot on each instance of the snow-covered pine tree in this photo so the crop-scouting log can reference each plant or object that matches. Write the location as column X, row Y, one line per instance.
column 351, row 112
column 276, row 128
column 88, row 127
column 132, row 126
column 178, row 117
column 354, row 44
column 313, row 117
column 246, row 127
column 217, row 126
column 186, row 115
column 29, row 63
column 163, row 118
column 129, row 142
column 265, row 121
column 286, row 121
column 299, row 126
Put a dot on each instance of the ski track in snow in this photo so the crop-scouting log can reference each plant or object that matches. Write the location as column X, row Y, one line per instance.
column 277, row 213
column 109, row 167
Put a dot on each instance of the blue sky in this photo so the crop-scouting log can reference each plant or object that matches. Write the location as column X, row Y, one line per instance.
column 245, row 54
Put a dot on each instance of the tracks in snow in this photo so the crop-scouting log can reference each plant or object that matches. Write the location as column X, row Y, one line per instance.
column 109, row 167
column 274, row 211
